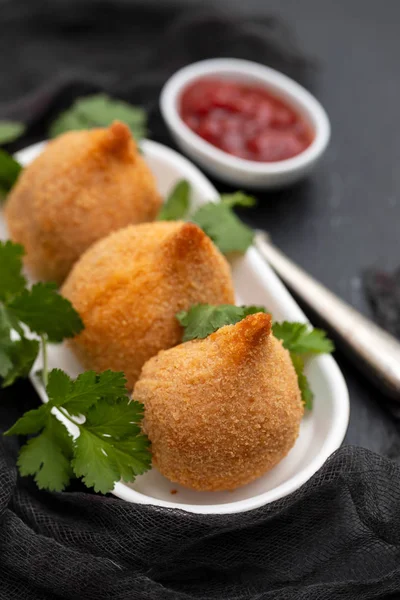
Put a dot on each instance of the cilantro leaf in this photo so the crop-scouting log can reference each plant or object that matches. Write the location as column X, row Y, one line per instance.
column 9, row 171
column 16, row 355
column 31, row 422
column 225, row 229
column 110, row 446
column 102, row 461
column 8, row 322
column 5, row 361
column 48, row 456
column 92, row 463
column 79, row 395
column 10, row 131
column 177, row 204
column 12, row 281
column 238, row 199
column 21, row 354
column 45, row 311
column 5, row 343
column 299, row 338
column 306, row 393
column 217, row 220
column 58, row 386
column 131, row 456
column 99, row 110
column 120, row 419
column 68, row 121
column 203, row 319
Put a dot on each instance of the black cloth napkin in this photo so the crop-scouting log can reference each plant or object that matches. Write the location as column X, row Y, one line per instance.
column 337, row 537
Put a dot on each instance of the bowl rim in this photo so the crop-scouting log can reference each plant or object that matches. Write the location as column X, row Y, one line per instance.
column 264, row 75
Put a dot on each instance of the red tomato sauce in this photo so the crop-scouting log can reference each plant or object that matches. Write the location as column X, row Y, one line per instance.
column 244, row 120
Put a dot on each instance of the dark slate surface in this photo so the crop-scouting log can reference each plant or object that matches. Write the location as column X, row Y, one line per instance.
column 346, row 217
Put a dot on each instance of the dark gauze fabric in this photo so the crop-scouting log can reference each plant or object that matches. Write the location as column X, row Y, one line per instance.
column 337, row 537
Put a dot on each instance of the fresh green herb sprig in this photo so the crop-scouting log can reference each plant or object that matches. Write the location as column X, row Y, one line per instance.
column 217, row 219
column 224, row 227
column 99, row 110
column 39, row 309
column 238, row 199
column 9, row 167
column 203, row 319
column 298, row 338
column 109, row 445
column 11, row 131
column 177, row 204
column 9, row 172
column 301, row 341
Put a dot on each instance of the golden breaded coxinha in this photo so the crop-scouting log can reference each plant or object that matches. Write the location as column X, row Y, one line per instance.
column 84, row 185
column 221, row 411
column 129, row 286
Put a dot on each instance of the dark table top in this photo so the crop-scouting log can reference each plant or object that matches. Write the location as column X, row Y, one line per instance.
column 346, row 216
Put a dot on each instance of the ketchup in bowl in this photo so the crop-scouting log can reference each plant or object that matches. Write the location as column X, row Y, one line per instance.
column 244, row 120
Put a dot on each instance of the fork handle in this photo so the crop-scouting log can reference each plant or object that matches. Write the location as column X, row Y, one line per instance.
column 377, row 349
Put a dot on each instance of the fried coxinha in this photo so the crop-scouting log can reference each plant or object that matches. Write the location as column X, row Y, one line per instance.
column 129, row 286
column 221, row 411
column 84, row 185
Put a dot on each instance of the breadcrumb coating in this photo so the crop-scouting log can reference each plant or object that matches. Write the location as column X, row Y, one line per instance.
column 221, row 411
column 129, row 286
column 84, row 185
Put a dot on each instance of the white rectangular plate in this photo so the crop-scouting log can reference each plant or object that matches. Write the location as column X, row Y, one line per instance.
column 322, row 430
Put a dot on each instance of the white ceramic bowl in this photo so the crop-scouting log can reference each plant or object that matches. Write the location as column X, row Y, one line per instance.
column 238, row 171
column 322, row 430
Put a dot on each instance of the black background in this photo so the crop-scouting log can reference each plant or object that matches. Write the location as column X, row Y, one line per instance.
column 346, row 216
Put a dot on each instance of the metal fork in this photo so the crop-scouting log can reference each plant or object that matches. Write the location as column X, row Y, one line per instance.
column 377, row 350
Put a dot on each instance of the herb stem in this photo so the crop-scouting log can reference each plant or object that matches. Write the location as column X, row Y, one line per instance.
column 45, row 370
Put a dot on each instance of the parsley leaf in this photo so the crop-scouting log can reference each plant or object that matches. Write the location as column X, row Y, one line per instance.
column 16, row 355
column 109, row 447
column 177, row 204
column 11, row 279
column 10, row 131
column 306, row 393
column 203, row 319
column 9, row 171
column 45, row 311
column 79, row 395
column 217, row 220
column 31, row 422
column 299, row 338
column 225, row 229
column 41, row 309
column 122, row 421
column 5, row 361
column 21, row 356
column 48, row 456
column 238, row 199
column 105, row 453
column 93, row 464
column 100, row 110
